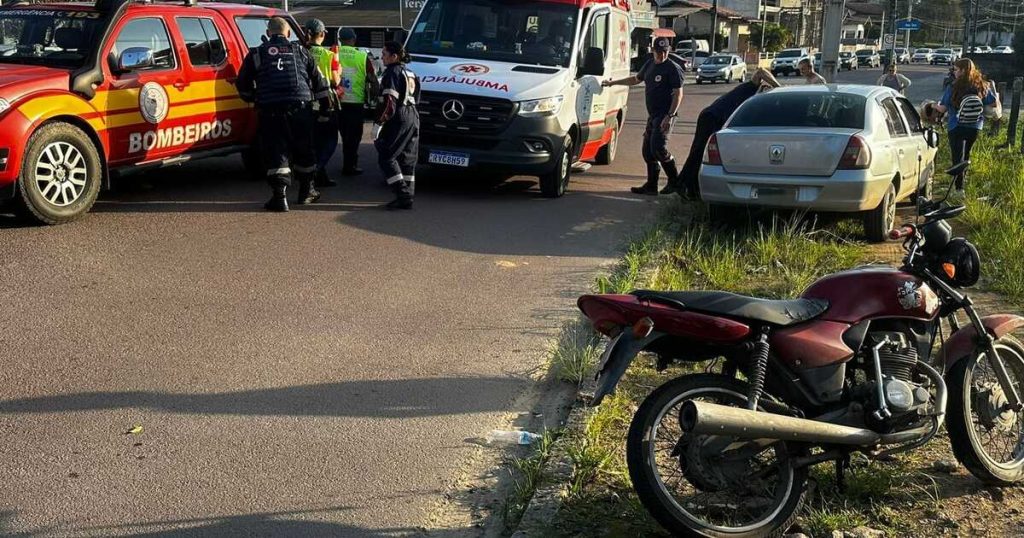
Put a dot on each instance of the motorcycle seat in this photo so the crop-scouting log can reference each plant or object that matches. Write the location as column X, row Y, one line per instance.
column 781, row 313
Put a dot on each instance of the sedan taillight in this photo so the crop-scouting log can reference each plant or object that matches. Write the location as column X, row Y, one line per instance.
column 856, row 156
column 711, row 154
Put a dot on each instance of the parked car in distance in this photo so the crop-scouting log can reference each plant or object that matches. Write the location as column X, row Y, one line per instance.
column 869, row 57
column 1003, row 49
column 902, row 55
column 695, row 59
column 922, row 55
column 788, row 60
column 848, row 61
column 844, row 148
column 982, row 49
column 959, row 51
column 943, row 56
column 699, row 44
column 724, row 67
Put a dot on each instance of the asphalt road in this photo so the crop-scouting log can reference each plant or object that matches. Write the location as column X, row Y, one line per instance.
column 312, row 373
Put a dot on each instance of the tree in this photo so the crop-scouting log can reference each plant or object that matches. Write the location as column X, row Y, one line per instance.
column 1018, row 51
column 775, row 37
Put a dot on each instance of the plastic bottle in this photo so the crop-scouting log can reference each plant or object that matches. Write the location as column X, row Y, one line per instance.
column 516, row 437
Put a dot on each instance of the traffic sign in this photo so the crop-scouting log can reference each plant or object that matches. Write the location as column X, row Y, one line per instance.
column 888, row 40
column 908, row 24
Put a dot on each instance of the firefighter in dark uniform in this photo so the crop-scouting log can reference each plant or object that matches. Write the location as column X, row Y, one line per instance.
column 283, row 80
column 663, row 87
column 397, row 141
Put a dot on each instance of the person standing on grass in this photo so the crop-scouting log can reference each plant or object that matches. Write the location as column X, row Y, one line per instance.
column 663, row 88
column 711, row 120
column 810, row 76
column 894, row 80
column 964, row 102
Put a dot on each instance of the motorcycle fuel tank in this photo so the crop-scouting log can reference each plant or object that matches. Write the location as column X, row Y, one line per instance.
column 874, row 292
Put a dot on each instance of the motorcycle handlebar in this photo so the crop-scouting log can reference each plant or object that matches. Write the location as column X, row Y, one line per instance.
column 901, row 233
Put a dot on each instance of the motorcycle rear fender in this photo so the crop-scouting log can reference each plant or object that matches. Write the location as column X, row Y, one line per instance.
column 610, row 312
column 623, row 350
column 964, row 342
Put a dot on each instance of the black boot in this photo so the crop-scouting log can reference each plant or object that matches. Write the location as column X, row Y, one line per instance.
column 353, row 171
column 673, row 177
column 322, row 180
column 278, row 202
column 403, row 196
column 307, row 193
column 651, row 187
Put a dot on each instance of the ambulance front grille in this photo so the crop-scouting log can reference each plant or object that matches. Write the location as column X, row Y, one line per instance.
column 480, row 115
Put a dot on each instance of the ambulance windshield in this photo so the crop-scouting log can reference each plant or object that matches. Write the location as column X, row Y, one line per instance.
column 55, row 38
column 524, row 32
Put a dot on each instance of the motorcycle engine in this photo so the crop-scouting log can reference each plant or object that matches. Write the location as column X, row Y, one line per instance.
column 903, row 394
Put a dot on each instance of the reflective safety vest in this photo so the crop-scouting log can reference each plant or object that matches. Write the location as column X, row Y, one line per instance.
column 323, row 57
column 353, row 74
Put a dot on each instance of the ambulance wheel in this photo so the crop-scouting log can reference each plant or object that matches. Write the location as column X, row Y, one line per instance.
column 606, row 155
column 60, row 176
column 554, row 183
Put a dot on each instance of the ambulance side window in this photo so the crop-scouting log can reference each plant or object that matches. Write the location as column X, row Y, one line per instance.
column 597, row 35
column 202, row 41
column 150, row 33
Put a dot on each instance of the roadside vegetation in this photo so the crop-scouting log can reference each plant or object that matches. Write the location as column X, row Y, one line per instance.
column 916, row 493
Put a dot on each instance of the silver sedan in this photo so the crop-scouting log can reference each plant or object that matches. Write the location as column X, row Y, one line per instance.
column 835, row 148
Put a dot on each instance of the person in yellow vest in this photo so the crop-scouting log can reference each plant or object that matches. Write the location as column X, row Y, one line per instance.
column 325, row 133
column 356, row 73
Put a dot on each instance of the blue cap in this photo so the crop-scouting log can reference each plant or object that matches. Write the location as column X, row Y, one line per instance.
column 346, row 34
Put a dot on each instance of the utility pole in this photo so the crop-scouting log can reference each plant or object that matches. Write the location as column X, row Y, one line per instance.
column 764, row 23
column 830, row 36
column 967, row 28
column 714, row 25
column 910, row 13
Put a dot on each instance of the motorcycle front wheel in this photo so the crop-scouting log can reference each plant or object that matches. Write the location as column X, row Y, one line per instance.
column 701, row 485
column 987, row 437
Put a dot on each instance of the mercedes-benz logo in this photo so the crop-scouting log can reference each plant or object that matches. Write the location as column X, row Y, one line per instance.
column 453, row 109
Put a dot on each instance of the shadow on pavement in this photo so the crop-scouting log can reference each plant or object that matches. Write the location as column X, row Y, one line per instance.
column 283, row 524
column 403, row 398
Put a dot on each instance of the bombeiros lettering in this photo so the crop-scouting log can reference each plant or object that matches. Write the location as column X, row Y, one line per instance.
column 179, row 135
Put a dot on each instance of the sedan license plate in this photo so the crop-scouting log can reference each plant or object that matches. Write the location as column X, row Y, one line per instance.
column 758, row 192
column 448, row 158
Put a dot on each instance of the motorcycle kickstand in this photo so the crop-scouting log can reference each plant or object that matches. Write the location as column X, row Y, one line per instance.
column 842, row 465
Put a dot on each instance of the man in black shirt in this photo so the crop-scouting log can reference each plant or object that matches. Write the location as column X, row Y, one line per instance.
column 711, row 120
column 663, row 81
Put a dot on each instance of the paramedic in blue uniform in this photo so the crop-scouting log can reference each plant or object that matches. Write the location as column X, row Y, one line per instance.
column 283, row 80
column 397, row 141
column 663, row 88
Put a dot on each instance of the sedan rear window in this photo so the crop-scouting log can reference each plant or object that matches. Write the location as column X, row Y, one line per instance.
column 837, row 110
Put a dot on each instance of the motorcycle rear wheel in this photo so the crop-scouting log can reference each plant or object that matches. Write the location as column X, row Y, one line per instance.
column 728, row 485
column 988, row 441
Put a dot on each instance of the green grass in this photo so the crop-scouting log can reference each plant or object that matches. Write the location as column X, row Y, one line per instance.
column 994, row 218
column 527, row 475
column 576, row 351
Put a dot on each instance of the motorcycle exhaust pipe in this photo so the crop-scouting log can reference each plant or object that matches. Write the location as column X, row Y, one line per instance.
column 703, row 418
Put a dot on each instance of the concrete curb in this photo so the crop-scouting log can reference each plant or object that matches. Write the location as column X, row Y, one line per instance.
column 547, row 500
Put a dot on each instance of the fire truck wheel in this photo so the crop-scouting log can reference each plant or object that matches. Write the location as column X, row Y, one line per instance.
column 61, row 175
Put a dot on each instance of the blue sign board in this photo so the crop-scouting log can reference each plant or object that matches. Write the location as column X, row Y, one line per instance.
column 908, row 24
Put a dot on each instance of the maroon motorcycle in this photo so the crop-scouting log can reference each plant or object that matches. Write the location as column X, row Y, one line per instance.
column 847, row 367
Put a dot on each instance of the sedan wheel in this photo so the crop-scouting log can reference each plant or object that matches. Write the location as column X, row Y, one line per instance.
column 880, row 220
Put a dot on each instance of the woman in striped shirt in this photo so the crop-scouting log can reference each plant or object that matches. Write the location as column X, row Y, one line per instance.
column 965, row 101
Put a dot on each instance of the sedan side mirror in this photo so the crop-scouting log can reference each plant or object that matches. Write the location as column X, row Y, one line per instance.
column 135, row 59
column 931, row 137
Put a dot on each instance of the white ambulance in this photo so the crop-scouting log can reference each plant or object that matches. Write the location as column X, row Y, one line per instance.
column 513, row 87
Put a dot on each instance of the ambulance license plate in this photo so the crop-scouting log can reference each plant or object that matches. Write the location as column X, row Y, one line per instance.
column 448, row 158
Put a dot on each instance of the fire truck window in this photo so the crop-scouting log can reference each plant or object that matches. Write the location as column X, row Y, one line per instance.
column 149, row 33
column 202, row 41
column 254, row 29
